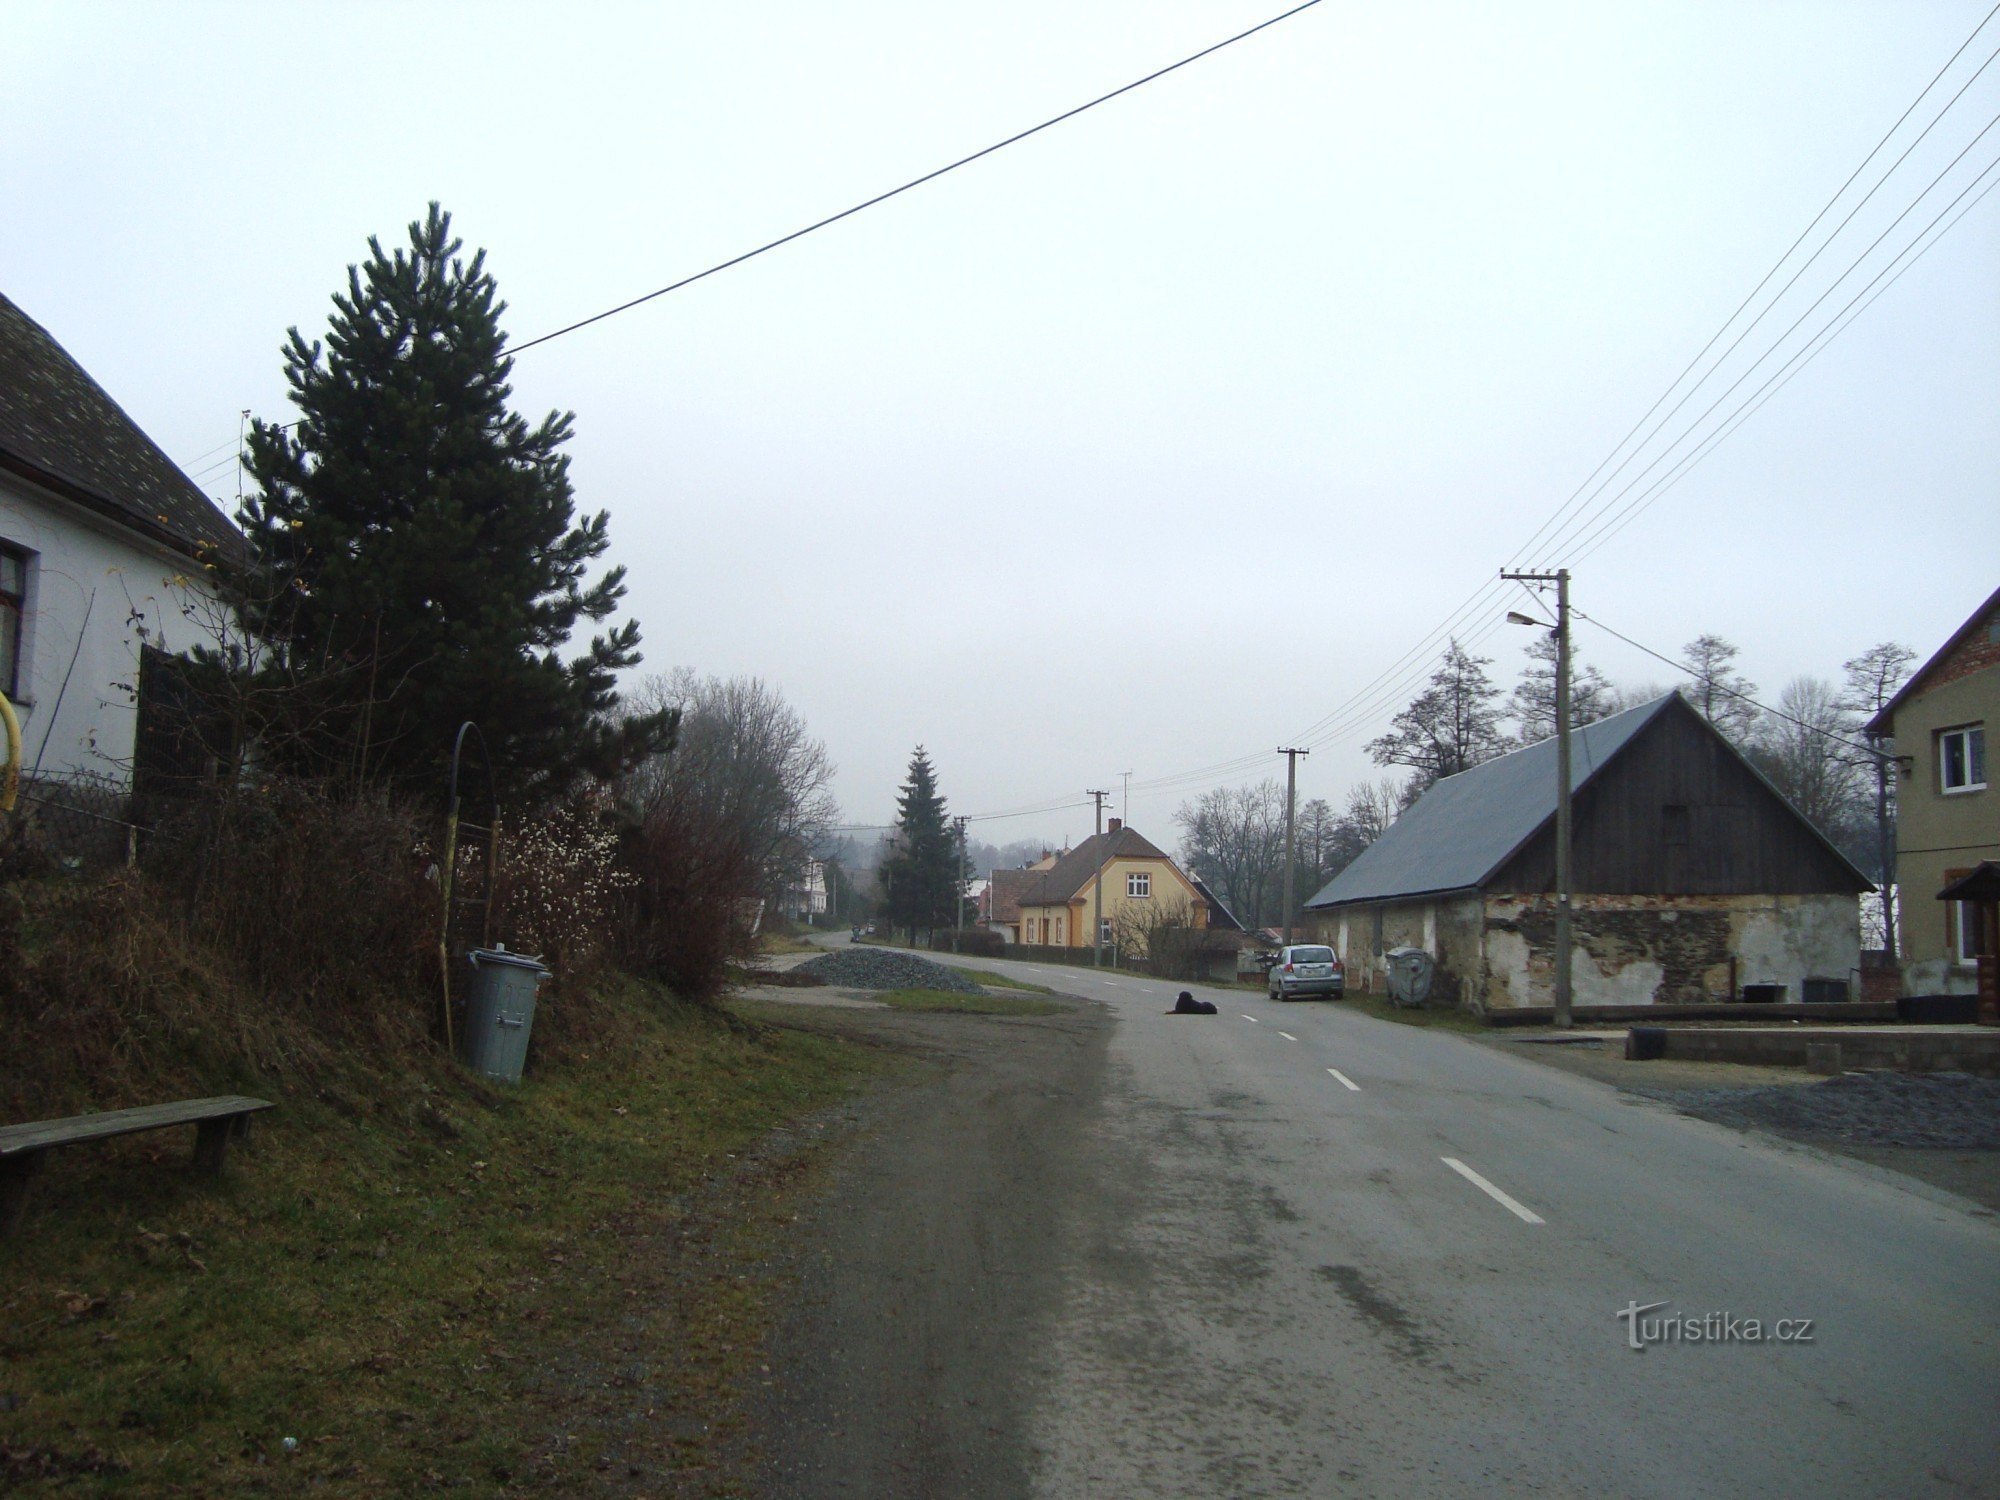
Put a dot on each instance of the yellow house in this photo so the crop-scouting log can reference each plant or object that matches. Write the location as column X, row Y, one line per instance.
column 1142, row 888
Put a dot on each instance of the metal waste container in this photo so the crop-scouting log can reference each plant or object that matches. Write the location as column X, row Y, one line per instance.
column 500, row 1012
column 1410, row 971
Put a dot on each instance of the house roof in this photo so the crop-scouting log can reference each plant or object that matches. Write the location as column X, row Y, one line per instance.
column 1074, row 870
column 1466, row 826
column 1003, row 894
column 60, row 429
column 1220, row 917
column 1885, row 721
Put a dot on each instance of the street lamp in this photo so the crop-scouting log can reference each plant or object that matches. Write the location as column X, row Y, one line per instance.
column 1560, row 578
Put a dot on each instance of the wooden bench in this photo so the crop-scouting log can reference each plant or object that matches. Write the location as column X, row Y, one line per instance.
column 22, row 1147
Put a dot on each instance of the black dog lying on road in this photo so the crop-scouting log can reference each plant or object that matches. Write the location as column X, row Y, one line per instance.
column 1187, row 1005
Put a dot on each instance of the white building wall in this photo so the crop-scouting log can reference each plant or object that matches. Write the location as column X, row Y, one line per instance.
column 91, row 587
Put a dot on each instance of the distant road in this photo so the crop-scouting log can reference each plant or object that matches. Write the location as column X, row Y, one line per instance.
column 1292, row 1250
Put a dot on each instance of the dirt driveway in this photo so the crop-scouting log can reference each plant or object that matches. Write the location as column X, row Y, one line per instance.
column 907, row 1372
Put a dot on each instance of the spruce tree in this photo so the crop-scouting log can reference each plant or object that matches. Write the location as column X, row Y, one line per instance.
column 417, row 557
column 920, row 876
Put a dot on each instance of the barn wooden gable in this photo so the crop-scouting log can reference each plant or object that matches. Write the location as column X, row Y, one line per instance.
column 1680, row 812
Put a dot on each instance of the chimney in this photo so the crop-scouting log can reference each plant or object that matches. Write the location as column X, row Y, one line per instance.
column 1116, row 824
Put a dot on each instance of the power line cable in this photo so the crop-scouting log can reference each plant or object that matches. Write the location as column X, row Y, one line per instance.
column 1597, row 533
column 914, row 182
column 1586, row 525
column 1779, row 265
column 1716, row 685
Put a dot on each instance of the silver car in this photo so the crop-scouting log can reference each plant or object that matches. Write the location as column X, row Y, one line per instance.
column 1307, row 969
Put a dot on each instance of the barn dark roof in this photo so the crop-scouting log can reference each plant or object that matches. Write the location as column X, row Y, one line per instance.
column 1055, row 885
column 60, row 429
column 1466, row 832
column 1466, row 826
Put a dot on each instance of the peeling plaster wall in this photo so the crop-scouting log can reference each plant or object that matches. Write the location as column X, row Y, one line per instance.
column 1668, row 950
column 1450, row 930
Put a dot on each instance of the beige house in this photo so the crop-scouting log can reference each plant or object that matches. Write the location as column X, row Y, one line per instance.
column 1947, row 816
column 1140, row 884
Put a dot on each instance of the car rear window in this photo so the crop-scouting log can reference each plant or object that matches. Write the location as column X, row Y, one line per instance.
column 1312, row 955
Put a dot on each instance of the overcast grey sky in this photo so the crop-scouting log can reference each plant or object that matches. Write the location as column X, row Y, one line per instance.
column 1143, row 445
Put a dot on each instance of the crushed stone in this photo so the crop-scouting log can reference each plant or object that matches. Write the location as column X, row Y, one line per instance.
column 876, row 969
column 1943, row 1111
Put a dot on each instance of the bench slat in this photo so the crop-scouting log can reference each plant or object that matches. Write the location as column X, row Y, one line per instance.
column 42, row 1134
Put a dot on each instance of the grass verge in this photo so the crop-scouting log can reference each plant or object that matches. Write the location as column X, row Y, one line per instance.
column 1436, row 1018
column 975, row 1005
column 995, row 980
column 467, row 1288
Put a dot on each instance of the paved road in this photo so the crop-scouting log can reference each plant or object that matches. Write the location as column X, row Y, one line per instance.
column 1320, row 1254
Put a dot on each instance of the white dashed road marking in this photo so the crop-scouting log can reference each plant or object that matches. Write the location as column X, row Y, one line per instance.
column 1349, row 1082
column 1288, row 1036
column 1250, row 1018
column 1527, row 1215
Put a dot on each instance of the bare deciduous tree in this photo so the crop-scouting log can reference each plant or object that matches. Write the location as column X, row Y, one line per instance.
column 746, row 758
column 1872, row 680
column 1233, row 838
column 1806, row 748
column 1533, row 704
column 1163, row 932
column 1717, row 689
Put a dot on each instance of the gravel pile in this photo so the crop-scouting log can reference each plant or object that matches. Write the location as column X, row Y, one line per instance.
column 875, row 969
column 1947, row 1111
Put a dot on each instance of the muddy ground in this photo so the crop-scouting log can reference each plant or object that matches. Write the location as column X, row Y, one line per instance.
column 904, row 1368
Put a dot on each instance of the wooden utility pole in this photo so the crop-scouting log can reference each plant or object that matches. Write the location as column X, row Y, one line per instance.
column 1097, row 885
column 1560, row 578
column 958, row 886
column 1291, row 821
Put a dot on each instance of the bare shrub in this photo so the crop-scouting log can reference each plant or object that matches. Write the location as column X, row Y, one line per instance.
column 123, row 1006
column 974, row 942
column 1162, row 934
column 315, row 893
column 560, row 885
column 689, row 912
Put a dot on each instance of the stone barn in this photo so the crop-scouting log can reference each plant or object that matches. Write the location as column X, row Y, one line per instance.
column 1695, row 880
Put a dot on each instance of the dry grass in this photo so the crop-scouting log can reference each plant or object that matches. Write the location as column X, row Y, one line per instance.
column 395, row 1281
column 974, row 1005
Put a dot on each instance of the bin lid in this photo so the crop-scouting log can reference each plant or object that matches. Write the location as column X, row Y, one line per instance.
column 478, row 956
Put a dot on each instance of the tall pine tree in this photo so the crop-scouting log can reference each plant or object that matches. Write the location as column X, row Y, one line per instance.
column 418, row 560
column 920, row 876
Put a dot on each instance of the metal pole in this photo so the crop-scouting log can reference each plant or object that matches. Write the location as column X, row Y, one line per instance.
column 1291, row 821
column 1097, row 921
column 1563, row 872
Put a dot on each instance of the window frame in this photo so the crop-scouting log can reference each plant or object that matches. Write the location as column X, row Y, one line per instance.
column 1138, row 885
column 10, row 669
column 1963, row 733
column 1965, row 934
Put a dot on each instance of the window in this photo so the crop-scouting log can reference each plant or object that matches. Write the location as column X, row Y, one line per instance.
column 1966, row 947
column 1962, row 759
column 1674, row 823
column 1060, row 938
column 1104, row 931
column 13, row 608
column 1139, row 885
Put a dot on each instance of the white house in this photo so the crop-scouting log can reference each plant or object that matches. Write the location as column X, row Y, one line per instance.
column 101, row 537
